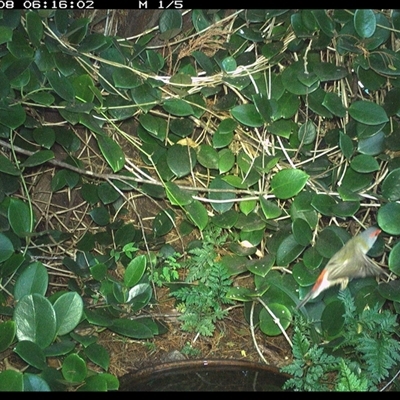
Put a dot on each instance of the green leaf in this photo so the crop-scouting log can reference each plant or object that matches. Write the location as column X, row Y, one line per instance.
column 156, row 126
column 98, row 355
column 367, row 112
column 207, row 156
column 8, row 167
column 163, row 222
column 176, row 195
column 61, row 85
column 134, row 271
column 20, row 217
column 170, row 24
column 6, row 248
column 178, row 107
column 38, row 158
column 270, row 209
column 11, row 381
column 248, row 115
column 69, row 309
column 302, row 232
column 332, row 319
column 12, row 116
column 389, row 218
column 35, row 319
column 112, row 152
column 181, row 160
column 268, row 323
column 223, row 195
column 45, row 136
column 365, row 22
column 107, row 193
column 34, row 27
column 288, row 250
column 393, row 261
column 74, row 369
column 307, row 133
column 34, row 279
column 35, row 383
column 131, row 328
column 364, row 164
column 391, row 185
column 197, row 213
column 334, row 104
column 31, row 353
column 5, row 34
column 226, row 160
column 7, row 334
column 100, row 215
column 288, row 183
column 390, row 291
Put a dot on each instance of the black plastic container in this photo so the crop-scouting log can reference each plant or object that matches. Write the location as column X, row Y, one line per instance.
column 205, row 375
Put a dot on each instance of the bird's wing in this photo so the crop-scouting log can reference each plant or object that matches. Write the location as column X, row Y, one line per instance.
column 369, row 268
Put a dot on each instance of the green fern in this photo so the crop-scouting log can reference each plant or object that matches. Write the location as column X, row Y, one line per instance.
column 368, row 342
column 203, row 300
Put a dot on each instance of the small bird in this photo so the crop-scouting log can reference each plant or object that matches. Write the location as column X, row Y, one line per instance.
column 348, row 263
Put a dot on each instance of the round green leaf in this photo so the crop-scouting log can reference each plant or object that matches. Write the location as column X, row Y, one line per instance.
column 389, row 218
column 291, row 82
column 61, row 85
column 6, row 248
column 134, row 271
column 323, row 203
column 390, row 291
column 345, row 208
column 31, row 353
column 163, row 222
column 364, row 164
column 13, row 116
column 98, row 271
column 181, row 160
column 311, row 258
column 328, row 243
column 100, row 216
column 288, row 251
column 34, row 279
column 332, row 319
column 106, row 193
column 303, row 275
column 178, row 107
column 394, row 259
column 182, row 127
column 229, row 64
column 270, row 209
column 373, row 145
column 20, row 217
column 176, row 195
column 131, row 328
column 170, row 24
column 99, row 355
column 139, row 296
column 288, row 182
column 334, row 104
column 364, row 23
column 45, row 136
column 35, row 383
column 7, row 334
column 218, row 206
column 74, row 369
column 307, row 133
column 38, row 158
column 261, row 266
column 207, row 156
column 156, row 126
column 36, row 320
column 11, row 381
column 301, row 231
column 226, row 160
column 8, row 167
column 225, row 220
column 391, row 185
column 197, row 213
column 248, row 115
column 112, row 152
column 268, row 323
column 367, row 112
column 68, row 308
